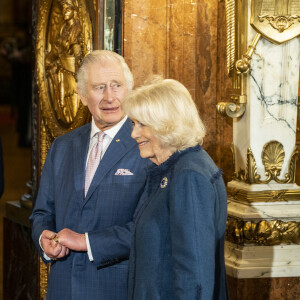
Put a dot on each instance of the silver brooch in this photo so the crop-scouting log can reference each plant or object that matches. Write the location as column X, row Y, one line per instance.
column 164, row 182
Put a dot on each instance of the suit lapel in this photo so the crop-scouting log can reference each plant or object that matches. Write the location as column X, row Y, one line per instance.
column 80, row 149
column 118, row 147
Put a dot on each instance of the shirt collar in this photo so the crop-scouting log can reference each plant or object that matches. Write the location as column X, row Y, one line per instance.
column 111, row 132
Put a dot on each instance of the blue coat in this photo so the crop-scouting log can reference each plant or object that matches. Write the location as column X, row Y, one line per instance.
column 178, row 245
column 106, row 213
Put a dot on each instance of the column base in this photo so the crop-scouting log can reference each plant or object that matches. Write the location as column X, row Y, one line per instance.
column 254, row 261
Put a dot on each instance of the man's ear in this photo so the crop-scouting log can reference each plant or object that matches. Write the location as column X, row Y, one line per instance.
column 82, row 97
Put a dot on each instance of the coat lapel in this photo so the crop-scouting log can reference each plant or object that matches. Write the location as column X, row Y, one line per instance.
column 80, row 150
column 118, row 147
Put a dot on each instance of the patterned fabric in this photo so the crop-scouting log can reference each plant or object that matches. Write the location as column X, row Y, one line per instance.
column 105, row 213
column 123, row 172
column 178, row 245
column 93, row 162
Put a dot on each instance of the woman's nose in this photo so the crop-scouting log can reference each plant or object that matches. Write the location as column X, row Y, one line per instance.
column 135, row 132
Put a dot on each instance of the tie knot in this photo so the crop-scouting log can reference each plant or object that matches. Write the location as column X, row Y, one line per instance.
column 100, row 136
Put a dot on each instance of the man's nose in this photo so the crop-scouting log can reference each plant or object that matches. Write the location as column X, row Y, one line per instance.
column 108, row 93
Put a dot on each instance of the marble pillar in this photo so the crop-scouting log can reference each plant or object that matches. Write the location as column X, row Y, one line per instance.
column 263, row 235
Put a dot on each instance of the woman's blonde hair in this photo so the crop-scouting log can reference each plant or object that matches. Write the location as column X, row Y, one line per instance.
column 167, row 107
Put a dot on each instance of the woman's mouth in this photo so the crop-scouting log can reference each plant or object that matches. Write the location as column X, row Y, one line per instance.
column 142, row 143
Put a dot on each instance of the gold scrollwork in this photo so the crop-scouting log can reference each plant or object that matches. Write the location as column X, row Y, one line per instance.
column 272, row 158
column 280, row 23
column 44, row 271
column 277, row 20
column 264, row 233
column 64, row 37
column 230, row 35
column 263, row 196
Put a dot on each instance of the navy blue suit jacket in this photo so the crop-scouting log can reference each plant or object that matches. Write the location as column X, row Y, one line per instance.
column 106, row 213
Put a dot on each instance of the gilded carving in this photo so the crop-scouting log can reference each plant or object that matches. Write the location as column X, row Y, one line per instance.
column 264, row 233
column 230, row 35
column 276, row 20
column 280, row 23
column 44, row 271
column 63, row 58
column 272, row 158
column 263, row 196
column 63, row 39
column 236, row 31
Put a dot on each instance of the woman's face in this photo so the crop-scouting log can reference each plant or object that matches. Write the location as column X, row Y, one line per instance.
column 149, row 145
column 68, row 12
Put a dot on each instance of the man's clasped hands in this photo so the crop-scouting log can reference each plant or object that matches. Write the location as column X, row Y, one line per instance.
column 58, row 245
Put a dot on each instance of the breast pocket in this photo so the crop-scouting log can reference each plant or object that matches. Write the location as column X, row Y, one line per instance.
column 122, row 177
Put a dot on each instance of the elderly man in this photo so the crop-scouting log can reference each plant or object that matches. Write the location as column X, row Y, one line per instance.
column 90, row 187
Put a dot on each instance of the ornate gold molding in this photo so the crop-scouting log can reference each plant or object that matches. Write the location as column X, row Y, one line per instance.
column 62, row 41
column 272, row 158
column 263, row 196
column 243, row 64
column 280, row 23
column 230, row 35
column 262, row 233
column 64, row 37
column 44, row 271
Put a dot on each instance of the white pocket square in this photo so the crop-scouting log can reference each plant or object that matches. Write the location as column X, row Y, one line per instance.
column 123, row 172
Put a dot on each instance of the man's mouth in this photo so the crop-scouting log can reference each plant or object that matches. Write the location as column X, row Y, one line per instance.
column 110, row 109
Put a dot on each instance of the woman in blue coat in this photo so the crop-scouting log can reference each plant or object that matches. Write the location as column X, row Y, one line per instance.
column 178, row 245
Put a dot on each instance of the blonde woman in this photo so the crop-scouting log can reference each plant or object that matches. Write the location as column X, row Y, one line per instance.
column 178, row 245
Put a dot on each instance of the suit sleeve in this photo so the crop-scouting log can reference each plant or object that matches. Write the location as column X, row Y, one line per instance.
column 112, row 245
column 192, row 230
column 43, row 215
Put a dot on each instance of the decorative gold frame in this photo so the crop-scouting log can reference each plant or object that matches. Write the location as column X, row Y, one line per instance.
column 272, row 157
column 281, row 21
column 54, row 127
column 50, row 126
column 263, row 232
column 236, row 44
column 248, row 197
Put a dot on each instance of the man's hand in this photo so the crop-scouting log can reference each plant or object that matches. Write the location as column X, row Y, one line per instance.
column 72, row 240
column 52, row 249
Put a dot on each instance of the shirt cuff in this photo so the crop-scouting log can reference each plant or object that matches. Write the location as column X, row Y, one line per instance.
column 89, row 250
column 44, row 254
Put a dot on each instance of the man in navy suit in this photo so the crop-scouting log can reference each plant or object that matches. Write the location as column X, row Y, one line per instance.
column 86, row 232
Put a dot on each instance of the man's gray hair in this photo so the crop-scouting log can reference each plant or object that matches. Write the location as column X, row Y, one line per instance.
column 102, row 56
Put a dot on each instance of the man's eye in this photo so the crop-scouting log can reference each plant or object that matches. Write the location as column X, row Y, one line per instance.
column 115, row 85
column 100, row 87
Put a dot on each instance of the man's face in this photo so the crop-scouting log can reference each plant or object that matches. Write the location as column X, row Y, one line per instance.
column 105, row 90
